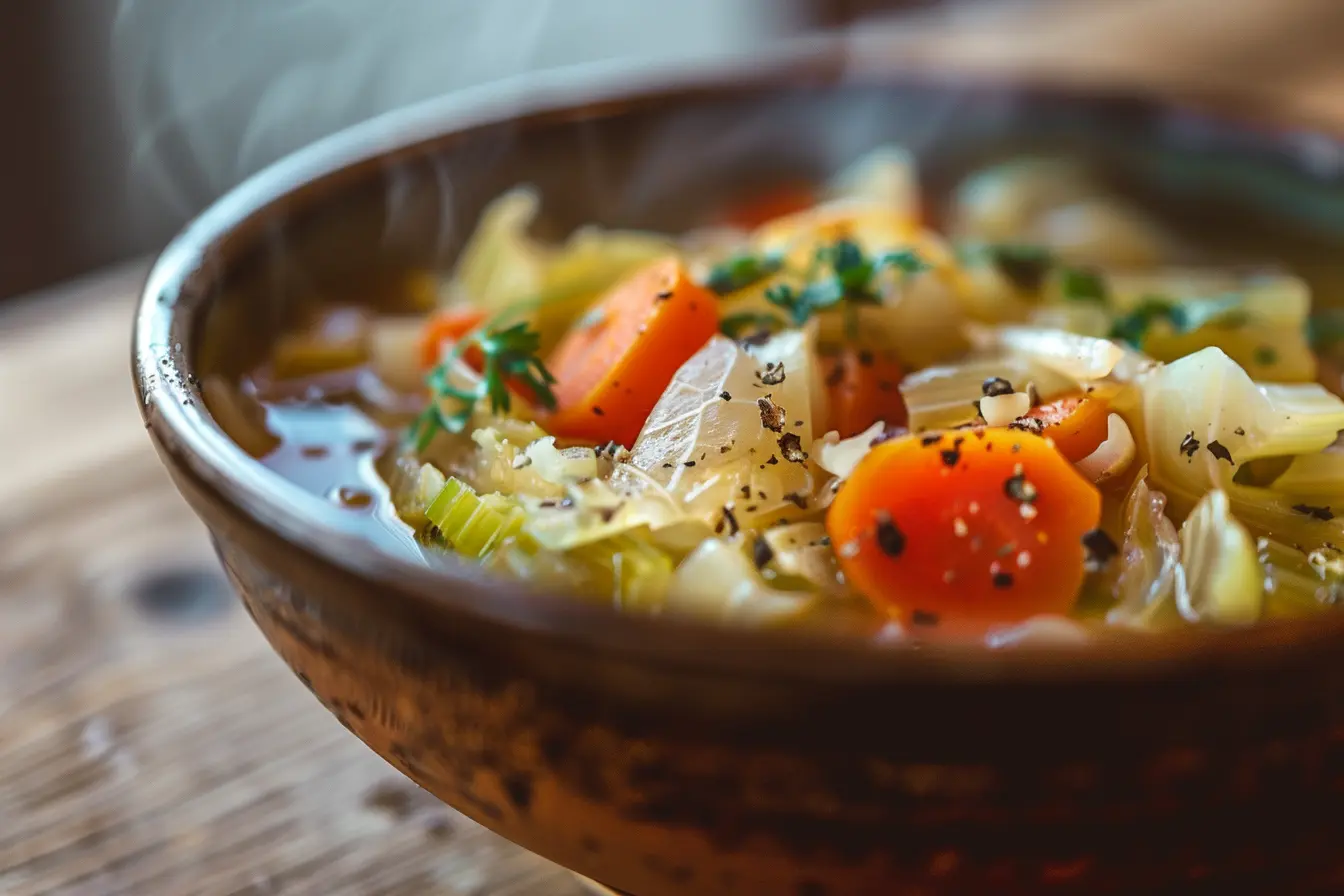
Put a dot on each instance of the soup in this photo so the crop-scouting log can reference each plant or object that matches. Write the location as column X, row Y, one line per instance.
column 1031, row 411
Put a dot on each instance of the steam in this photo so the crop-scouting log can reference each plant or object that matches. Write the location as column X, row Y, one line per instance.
column 212, row 91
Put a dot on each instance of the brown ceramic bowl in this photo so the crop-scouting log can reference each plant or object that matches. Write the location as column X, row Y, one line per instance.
column 669, row 758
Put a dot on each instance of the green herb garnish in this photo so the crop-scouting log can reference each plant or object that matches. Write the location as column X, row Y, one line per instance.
column 1325, row 329
column 742, row 271
column 510, row 356
column 1184, row 317
column 850, row 281
column 1025, row 266
column 1083, row 285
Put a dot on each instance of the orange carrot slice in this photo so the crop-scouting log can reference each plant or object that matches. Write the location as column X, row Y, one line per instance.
column 1076, row 424
column 863, row 388
column 781, row 201
column 613, row 365
column 956, row 532
column 450, row 325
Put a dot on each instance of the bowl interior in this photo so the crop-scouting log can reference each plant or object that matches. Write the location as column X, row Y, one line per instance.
column 346, row 220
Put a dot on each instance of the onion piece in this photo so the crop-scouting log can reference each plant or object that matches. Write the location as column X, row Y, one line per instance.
column 1000, row 410
column 840, row 456
column 1081, row 357
column 1222, row 569
column 1113, row 456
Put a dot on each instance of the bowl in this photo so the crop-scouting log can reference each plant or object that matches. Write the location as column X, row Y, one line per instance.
column 666, row 758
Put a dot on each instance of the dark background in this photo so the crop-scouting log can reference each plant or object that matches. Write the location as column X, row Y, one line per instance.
column 71, row 198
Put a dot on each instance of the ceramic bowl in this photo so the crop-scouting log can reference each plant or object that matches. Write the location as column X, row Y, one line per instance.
column 667, row 758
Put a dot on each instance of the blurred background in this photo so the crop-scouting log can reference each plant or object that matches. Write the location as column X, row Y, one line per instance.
column 136, row 113
column 125, row 117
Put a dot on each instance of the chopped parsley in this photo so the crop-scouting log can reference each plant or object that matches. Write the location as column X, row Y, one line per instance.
column 1024, row 266
column 850, row 280
column 1183, row 317
column 1083, row 285
column 510, row 356
column 741, row 271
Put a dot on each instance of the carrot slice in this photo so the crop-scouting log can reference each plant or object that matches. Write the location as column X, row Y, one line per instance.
column 450, row 325
column 613, row 366
column 1076, row 424
column 956, row 532
column 862, row 387
column 781, row 201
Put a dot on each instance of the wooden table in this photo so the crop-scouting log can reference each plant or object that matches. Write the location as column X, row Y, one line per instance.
column 150, row 743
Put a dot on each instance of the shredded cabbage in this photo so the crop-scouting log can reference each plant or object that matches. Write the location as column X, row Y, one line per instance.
column 720, row 437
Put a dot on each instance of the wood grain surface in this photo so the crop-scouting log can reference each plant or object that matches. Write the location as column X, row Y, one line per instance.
column 150, row 743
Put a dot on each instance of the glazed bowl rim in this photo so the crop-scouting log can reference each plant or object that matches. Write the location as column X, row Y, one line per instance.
column 194, row 446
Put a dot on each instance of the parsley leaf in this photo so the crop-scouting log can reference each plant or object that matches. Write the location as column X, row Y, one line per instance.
column 510, row 357
column 741, row 271
column 850, row 281
column 1184, row 317
column 1025, row 266
column 1325, row 329
column 1083, row 285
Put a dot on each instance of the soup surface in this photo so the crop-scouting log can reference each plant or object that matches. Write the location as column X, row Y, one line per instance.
column 1023, row 414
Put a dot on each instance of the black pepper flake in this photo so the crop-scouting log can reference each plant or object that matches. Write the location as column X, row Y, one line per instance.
column 1219, row 451
column 607, row 513
column 890, row 539
column 772, row 415
column 951, row 458
column 725, row 395
column 689, row 463
column 1189, row 445
column 724, row 449
column 547, row 504
column 773, row 374
column 1019, row 489
column 1239, row 431
column 1033, row 425
column 1003, row 580
column 772, row 461
column 996, row 385
column 751, row 508
column 668, row 466
column 923, row 618
column 761, row 552
column 730, row 520
column 746, row 491
column 664, row 295
column 1098, row 549
column 1320, row 513
column 761, row 495
column 931, row 439
column 798, row 499
column 792, row 448
column 597, row 410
